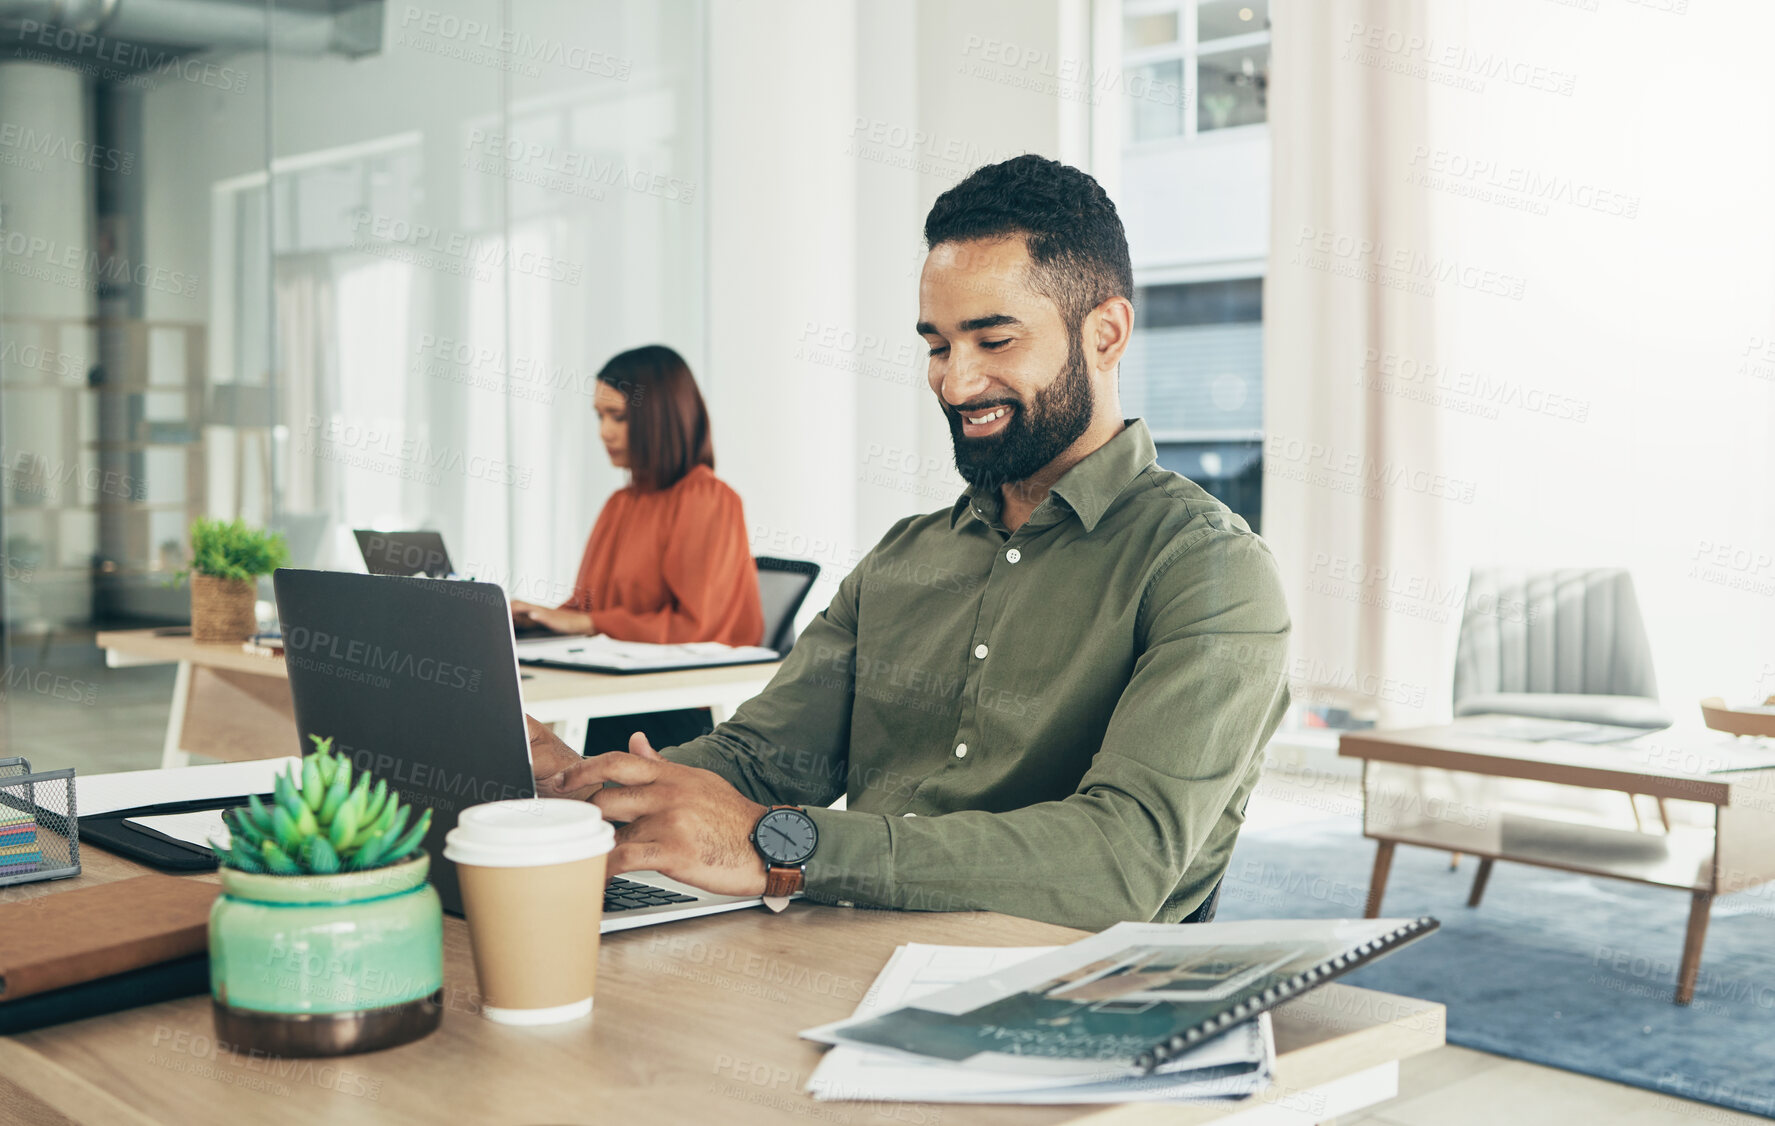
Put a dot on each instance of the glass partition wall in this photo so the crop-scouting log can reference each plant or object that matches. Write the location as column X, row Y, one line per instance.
column 320, row 267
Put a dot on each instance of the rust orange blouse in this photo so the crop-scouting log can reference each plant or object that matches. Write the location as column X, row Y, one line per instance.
column 671, row 566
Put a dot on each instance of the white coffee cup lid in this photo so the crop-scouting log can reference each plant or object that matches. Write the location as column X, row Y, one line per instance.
column 528, row 833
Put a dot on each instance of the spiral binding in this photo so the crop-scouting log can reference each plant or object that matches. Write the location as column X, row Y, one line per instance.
column 1276, row 994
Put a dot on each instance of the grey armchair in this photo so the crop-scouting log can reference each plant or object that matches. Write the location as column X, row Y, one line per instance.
column 1556, row 645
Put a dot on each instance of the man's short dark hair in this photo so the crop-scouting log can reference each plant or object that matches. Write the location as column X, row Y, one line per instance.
column 1077, row 248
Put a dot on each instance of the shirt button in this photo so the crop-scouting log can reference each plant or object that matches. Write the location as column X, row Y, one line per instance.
column 961, row 750
column 980, row 650
column 1013, row 555
column 908, row 815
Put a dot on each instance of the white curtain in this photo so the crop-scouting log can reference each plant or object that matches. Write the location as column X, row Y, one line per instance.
column 1545, row 339
column 307, row 338
column 1356, row 495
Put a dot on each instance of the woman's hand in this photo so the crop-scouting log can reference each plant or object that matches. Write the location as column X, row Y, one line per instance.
column 558, row 621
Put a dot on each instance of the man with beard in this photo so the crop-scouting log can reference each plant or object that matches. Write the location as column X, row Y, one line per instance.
column 1049, row 699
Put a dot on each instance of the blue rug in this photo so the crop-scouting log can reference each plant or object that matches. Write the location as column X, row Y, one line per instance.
column 1558, row 969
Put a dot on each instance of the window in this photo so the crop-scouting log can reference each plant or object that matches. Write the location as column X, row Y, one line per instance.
column 1216, row 52
column 1194, row 372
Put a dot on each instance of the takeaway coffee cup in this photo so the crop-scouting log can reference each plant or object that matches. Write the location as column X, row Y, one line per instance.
column 532, row 876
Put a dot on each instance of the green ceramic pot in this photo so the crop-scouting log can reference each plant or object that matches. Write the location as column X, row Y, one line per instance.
column 327, row 965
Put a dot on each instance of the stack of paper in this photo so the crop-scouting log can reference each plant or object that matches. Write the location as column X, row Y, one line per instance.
column 144, row 789
column 603, row 652
column 1231, row 1066
column 197, row 828
column 1138, row 1012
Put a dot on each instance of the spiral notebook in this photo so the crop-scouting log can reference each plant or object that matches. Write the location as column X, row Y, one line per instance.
column 1126, row 1000
column 1233, row 1066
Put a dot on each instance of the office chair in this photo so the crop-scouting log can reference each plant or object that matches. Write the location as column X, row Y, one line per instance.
column 1204, row 913
column 782, row 588
column 1567, row 644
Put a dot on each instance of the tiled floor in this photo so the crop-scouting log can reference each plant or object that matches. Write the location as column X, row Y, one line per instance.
column 119, row 724
column 63, row 707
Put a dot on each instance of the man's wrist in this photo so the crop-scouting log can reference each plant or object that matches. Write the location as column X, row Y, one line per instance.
column 759, row 872
column 854, row 863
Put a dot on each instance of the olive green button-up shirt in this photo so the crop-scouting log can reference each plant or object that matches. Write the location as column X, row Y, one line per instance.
column 1061, row 722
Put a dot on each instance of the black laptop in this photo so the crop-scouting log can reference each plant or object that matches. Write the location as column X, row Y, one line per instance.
column 409, row 554
column 404, row 553
column 417, row 680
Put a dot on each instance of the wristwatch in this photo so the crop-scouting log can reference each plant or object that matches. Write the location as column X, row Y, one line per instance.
column 786, row 837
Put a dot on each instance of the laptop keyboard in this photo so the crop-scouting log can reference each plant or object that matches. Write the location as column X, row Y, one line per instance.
column 627, row 895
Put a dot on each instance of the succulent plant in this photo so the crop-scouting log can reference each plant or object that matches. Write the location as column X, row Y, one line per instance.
column 320, row 822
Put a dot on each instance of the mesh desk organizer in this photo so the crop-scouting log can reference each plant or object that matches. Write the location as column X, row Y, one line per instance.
column 39, row 837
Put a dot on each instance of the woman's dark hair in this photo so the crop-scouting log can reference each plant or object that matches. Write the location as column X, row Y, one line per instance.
column 668, row 424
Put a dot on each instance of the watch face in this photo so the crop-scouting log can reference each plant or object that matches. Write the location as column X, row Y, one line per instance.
column 786, row 837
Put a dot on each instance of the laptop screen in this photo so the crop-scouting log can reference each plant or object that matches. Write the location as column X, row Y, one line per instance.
column 404, row 553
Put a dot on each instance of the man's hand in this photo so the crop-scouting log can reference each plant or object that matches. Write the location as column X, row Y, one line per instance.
column 549, row 756
column 560, row 621
column 685, row 822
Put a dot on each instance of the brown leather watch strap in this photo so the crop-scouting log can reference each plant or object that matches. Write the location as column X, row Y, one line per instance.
column 781, row 883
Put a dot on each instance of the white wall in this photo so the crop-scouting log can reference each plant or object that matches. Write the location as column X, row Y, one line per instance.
column 782, row 254
column 1628, row 416
column 1191, row 206
column 823, row 163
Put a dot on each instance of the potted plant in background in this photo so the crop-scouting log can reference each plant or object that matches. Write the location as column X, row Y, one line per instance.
column 227, row 557
column 327, row 938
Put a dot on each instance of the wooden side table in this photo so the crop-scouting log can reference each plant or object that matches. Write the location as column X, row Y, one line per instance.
column 1732, row 850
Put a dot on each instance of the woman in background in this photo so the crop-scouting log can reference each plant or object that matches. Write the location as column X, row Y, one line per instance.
column 668, row 560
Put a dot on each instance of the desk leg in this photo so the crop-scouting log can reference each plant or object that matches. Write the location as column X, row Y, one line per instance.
column 171, row 754
column 1699, row 909
column 722, row 711
column 1478, row 891
column 571, row 732
column 1377, row 883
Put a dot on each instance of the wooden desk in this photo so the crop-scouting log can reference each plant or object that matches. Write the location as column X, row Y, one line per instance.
column 231, row 705
column 1734, row 852
column 696, row 1022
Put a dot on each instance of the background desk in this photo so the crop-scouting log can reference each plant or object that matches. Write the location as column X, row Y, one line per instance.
column 695, row 1022
column 231, row 705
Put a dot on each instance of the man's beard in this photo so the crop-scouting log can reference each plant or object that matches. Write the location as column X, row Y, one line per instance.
column 1039, row 431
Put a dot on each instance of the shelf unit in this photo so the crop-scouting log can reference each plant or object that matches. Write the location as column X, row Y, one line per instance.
column 85, row 501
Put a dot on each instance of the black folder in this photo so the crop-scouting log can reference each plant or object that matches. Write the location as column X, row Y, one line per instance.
column 164, row 981
column 157, row 850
